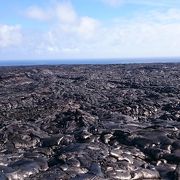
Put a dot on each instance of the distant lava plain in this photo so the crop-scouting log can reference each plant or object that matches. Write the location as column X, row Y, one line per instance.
column 84, row 122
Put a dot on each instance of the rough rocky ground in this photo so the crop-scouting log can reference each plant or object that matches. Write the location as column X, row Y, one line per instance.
column 90, row 122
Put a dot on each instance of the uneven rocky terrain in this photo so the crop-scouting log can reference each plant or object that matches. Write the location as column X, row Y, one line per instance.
column 90, row 122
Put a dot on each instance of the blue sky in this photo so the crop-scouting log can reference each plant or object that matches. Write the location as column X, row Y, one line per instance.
column 73, row 29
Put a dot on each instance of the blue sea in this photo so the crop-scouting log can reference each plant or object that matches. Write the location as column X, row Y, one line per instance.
column 88, row 61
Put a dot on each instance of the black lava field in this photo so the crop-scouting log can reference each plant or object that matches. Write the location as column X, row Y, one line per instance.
column 90, row 122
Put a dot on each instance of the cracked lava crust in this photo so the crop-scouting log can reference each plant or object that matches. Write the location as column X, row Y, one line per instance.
column 87, row 122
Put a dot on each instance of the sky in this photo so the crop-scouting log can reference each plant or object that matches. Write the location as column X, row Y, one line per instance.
column 77, row 29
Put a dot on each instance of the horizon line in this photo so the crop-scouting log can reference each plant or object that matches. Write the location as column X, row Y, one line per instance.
column 89, row 61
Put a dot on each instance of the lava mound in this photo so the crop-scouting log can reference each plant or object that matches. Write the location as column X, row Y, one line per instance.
column 84, row 122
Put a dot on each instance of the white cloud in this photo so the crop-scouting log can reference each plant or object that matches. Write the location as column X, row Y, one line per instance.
column 154, row 33
column 63, row 12
column 37, row 13
column 66, row 13
column 88, row 27
column 143, row 39
column 150, row 3
column 113, row 3
column 170, row 15
column 70, row 32
column 10, row 36
column 147, row 36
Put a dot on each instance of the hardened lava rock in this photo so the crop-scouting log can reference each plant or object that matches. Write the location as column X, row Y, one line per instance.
column 84, row 122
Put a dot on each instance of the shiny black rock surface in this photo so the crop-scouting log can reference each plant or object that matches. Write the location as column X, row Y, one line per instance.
column 87, row 122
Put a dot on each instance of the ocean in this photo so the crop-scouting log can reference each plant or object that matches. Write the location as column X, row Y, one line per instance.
column 87, row 61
